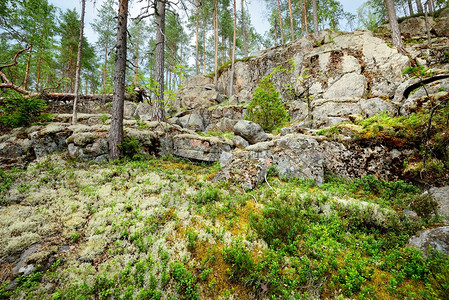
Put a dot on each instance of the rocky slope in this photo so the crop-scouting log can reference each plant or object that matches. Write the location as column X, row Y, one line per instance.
column 74, row 225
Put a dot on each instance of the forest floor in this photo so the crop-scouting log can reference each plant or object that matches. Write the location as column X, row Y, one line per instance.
column 162, row 228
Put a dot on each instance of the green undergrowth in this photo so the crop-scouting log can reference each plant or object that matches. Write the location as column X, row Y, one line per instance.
column 162, row 228
column 407, row 132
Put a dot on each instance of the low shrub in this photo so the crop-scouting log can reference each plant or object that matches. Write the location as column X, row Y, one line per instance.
column 266, row 107
column 18, row 111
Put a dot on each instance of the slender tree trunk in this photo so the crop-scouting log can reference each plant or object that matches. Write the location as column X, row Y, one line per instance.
column 78, row 63
column 234, row 41
column 306, row 26
column 315, row 17
column 27, row 70
column 223, row 53
column 395, row 32
column 292, row 31
column 158, row 105
column 275, row 34
column 430, row 6
column 39, row 63
column 105, row 65
column 204, row 47
column 197, row 59
column 419, row 6
column 410, row 7
column 245, row 41
column 429, row 40
column 216, row 42
column 116, row 131
column 136, row 60
column 280, row 22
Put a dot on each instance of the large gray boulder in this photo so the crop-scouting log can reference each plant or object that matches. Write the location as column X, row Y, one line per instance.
column 250, row 131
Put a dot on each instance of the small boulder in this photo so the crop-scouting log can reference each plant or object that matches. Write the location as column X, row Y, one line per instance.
column 251, row 131
column 246, row 168
column 441, row 196
column 240, row 142
column 144, row 111
column 437, row 238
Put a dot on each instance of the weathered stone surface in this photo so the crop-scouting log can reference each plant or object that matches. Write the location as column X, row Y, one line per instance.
column 340, row 88
column 441, row 196
column 50, row 139
column 437, row 238
column 223, row 125
column 200, row 148
column 415, row 27
column 143, row 111
column 130, row 109
column 240, row 142
column 198, row 80
column 192, row 121
column 329, row 108
column 372, row 106
column 246, row 168
column 300, row 157
column 250, row 131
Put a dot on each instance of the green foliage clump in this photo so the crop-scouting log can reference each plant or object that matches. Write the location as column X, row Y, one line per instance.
column 18, row 111
column 131, row 148
column 186, row 281
column 424, row 206
column 266, row 107
column 241, row 261
column 5, row 183
column 280, row 223
column 208, row 195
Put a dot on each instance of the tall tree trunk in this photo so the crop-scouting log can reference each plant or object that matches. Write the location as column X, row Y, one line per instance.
column 39, row 63
column 410, row 7
column 430, row 6
column 204, row 47
column 280, row 22
column 275, row 34
column 78, row 63
column 245, row 40
column 315, row 18
column 103, row 91
column 216, row 41
column 231, row 81
column 426, row 18
column 223, row 53
column 306, row 26
column 395, row 32
column 158, row 106
column 27, row 70
column 197, row 63
column 116, row 131
column 136, row 60
column 292, row 31
column 419, row 6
